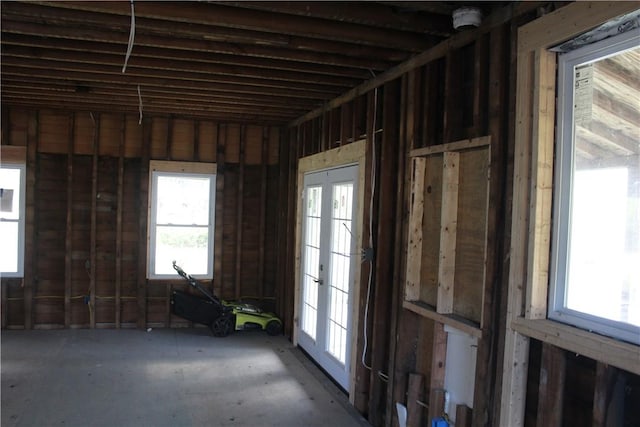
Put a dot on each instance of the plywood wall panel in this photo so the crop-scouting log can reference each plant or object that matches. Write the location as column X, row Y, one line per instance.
column 431, row 230
column 253, row 145
column 232, row 145
column 159, row 138
column 207, row 141
column 53, row 132
column 472, row 229
column 83, row 133
column 17, row 124
column 133, row 138
column 109, row 138
column 182, row 140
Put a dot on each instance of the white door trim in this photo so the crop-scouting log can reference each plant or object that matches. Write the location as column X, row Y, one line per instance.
column 349, row 154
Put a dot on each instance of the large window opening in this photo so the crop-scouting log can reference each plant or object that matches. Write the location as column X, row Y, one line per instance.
column 12, row 184
column 595, row 281
column 182, row 219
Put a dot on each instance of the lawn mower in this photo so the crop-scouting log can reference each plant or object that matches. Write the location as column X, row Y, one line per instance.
column 222, row 317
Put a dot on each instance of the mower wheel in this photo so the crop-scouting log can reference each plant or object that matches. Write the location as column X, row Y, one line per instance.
column 273, row 327
column 222, row 326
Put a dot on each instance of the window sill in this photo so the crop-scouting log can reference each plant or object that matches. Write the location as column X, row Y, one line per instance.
column 607, row 350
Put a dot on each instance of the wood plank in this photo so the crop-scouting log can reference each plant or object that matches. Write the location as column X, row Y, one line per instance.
column 94, row 222
column 398, row 348
column 570, row 21
column 221, row 131
column 516, row 345
column 438, row 362
column 448, row 232
column 606, row 350
column 551, row 387
column 69, row 224
column 13, row 153
column 141, row 285
column 464, row 416
column 452, row 320
column 414, row 249
column 119, row 225
column 239, row 212
column 415, row 394
column 385, row 206
column 488, row 373
column 605, row 380
column 263, row 209
column 544, row 99
column 465, row 144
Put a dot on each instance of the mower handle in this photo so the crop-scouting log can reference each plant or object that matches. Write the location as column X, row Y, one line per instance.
column 180, row 270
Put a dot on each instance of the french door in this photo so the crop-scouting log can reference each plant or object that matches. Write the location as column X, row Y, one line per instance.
column 327, row 269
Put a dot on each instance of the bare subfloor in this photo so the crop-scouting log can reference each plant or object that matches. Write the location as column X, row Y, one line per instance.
column 165, row 377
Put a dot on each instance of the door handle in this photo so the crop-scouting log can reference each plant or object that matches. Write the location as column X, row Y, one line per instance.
column 318, row 281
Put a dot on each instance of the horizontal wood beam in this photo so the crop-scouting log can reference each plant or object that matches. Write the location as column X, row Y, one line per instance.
column 81, row 78
column 135, row 73
column 19, row 82
column 374, row 14
column 189, row 68
column 300, row 50
column 441, row 49
column 228, row 16
column 180, row 55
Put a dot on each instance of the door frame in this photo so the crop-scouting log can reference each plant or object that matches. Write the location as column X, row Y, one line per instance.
column 350, row 154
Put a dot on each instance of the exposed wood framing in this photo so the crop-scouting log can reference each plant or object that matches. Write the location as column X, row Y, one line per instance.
column 93, row 255
column 458, row 40
column 31, row 220
column 119, row 213
column 264, row 160
column 438, row 362
column 448, row 232
column 534, row 112
column 414, row 251
column 551, row 388
column 69, row 228
column 397, row 294
column 239, row 212
column 219, row 240
column 415, row 400
column 142, row 225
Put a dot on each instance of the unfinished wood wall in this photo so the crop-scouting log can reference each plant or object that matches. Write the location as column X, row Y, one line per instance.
column 443, row 100
column 87, row 198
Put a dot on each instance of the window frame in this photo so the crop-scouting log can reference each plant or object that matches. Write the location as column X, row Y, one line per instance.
column 160, row 168
column 564, row 171
column 22, row 167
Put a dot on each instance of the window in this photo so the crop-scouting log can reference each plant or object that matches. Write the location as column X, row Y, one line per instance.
column 12, row 184
column 182, row 218
column 595, row 272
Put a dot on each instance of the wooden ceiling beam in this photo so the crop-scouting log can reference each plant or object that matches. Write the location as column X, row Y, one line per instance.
column 357, row 57
column 82, row 78
column 131, row 100
column 372, row 14
column 256, row 20
column 40, row 83
column 134, row 73
column 183, row 55
column 153, row 111
column 210, row 69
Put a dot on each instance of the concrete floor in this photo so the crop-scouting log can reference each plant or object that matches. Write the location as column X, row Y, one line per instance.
column 165, row 377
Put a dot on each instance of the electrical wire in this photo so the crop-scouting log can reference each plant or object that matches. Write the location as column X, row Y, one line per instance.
column 373, row 188
column 132, row 34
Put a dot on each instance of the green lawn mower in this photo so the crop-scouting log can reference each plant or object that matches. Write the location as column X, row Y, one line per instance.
column 222, row 317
